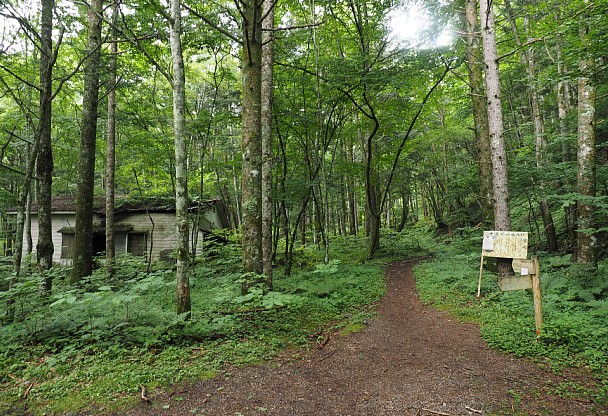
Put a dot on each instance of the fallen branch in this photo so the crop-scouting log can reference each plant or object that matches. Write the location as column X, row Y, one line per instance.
column 470, row 409
column 327, row 356
column 324, row 343
column 144, row 397
column 27, row 392
column 435, row 413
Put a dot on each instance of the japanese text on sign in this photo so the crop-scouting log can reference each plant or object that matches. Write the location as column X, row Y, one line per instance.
column 507, row 244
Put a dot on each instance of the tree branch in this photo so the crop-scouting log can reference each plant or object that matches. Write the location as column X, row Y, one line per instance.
column 213, row 25
column 306, row 26
column 447, row 69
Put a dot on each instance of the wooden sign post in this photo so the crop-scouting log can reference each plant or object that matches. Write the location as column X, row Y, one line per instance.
column 538, row 311
column 508, row 244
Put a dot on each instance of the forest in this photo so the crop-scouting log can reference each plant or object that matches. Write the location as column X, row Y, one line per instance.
column 327, row 143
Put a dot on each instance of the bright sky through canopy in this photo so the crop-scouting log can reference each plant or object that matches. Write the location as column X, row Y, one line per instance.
column 409, row 23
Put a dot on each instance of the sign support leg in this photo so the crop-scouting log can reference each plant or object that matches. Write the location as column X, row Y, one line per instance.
column 538, row 313
column 480, row 273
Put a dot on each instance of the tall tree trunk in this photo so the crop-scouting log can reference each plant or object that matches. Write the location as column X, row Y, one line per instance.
column 27, row 226
column 373, row 206
column 182, row 289
column 480, row 112
column 111, row 151
column 527, row 60
column 563, row 108
column 586, row 158
column 541, row 144
column 405, row 202
column 283, row 205
column 350, row 184
column 21, row 207
column 502, row 217
column 266, row 120
column 252, row 141
column 44, row 167
column 83, row 238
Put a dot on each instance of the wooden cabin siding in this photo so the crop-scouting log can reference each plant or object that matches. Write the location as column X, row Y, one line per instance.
column 163, row 238
column 163, row 235
column 58, row 221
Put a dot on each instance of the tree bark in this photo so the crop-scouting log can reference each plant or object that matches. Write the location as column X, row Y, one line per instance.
column 182, row 289
column 480, row 113
column 528, row 62
column 563, row 108
column 111, row 152
column 44, row 167
column 252, row 142
column 350, row 186
column 586, row 159
column 83, row 238
column 405, row 202
column 266, row 120
column 21, row 207
column 541, row 144
column 502, row 217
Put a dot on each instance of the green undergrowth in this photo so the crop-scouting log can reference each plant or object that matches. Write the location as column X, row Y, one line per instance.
column 575, row 310
column 90, row 347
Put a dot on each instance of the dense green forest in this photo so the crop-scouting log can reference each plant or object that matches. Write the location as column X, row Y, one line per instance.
column 335, row 146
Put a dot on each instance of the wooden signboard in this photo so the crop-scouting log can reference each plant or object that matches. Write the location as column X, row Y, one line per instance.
column 524, row 270
column 505, row 244
column 524, row 267
column 515, row 283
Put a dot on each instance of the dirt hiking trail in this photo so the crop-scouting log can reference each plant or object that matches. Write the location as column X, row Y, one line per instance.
column 410, row 360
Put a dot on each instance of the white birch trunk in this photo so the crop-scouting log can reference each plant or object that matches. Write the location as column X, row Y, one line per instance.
column 181, row 170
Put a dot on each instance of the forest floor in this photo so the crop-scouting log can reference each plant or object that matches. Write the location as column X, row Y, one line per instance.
column 411, row 359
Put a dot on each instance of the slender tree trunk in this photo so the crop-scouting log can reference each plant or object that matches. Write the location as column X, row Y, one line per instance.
column 541, row 144
column 238, row 196
column 586, row 158
column 283, row 205
column 182, row 289
column 252, row 141
column 267, row 157
column 350, row 184
column 111, row 152
column 527, row 59
column 502, row 217
column 343, row 214
column 405, row 201
column 27, row 226
column 563, row 108
column 44, row 167
column 480, row 113
column 83, row 238
column 21, row 207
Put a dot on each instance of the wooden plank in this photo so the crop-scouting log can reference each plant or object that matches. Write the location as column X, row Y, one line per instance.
column 538, row 312
column 480, row 273
column 524, row 266
column 515, row 283
column 505, row 244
